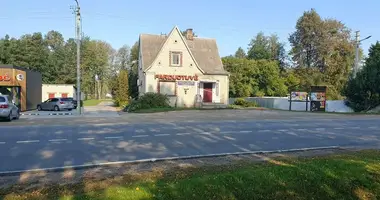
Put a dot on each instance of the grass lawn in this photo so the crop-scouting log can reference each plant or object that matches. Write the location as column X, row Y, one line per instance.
column 348, row 176
column 94, row 102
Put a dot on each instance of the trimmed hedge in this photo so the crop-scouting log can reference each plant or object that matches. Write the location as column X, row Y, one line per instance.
column 148, row 101
column 244, row 103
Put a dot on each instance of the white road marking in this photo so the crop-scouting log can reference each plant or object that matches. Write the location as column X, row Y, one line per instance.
column 355, row 127
column 136, row 136
column 302, row 129
column 86, row 138
column 27, row 141
column 225, row 132
column 57, row 140
column 320, row 129
column 115, row 137
column 338, row 128
column 373, row 127
column 164, row 134
column 245, row 131
column 282, row 130
column 262, row 131
column 183, row 133
column 2, row 142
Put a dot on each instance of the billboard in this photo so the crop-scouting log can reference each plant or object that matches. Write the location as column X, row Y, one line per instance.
column 298, row 96
column 318, row 98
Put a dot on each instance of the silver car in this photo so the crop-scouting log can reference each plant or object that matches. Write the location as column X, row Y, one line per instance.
column 56, row 104
column 8, row 109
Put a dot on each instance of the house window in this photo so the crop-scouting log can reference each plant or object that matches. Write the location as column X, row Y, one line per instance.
column 64, row 95
column 175, row 59
column 168, row 88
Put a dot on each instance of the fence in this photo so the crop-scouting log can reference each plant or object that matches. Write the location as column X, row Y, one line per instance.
column 282, row 103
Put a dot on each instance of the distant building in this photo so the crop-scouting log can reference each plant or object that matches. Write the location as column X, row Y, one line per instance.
column 186, row 68
column 57, row 90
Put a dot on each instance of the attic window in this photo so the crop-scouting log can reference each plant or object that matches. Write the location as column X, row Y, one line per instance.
column 175, row 41
column 175, row 59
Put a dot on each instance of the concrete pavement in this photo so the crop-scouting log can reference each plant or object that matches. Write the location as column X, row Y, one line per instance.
column 49, row 146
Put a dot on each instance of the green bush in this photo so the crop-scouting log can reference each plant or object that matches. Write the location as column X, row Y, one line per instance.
column 149, row 100
column 244, row 103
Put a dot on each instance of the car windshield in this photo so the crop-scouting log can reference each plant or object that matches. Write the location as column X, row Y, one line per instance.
column 2, row 99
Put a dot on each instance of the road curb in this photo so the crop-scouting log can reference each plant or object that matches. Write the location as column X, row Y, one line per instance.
column 94, row 165
column 45, row 114
column 60, row 113
column 30, row 114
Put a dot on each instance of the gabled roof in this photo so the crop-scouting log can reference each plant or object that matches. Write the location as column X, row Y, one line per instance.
column 205, row 52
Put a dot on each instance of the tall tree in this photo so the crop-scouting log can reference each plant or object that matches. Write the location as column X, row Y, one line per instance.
column 240, row 53
column 258, row 48
column 123, row 58
column 323, row 52
column 133, row 74
column 57, row 62
column 5, row 50
column 267, row 48
column 306, row 39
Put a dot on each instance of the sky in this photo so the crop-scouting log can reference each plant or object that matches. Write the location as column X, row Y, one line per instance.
column 232, row 23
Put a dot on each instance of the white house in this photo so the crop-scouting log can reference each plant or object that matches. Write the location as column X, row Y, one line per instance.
column 188, row 69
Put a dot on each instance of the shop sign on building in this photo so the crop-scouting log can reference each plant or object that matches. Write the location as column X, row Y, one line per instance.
column 185, row 83
column 166, row 77
column 5, row 77
column 20, row 77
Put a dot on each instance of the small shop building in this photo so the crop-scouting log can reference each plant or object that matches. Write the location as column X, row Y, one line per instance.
column 186, row 68
column 22, row 85
column 58, row 90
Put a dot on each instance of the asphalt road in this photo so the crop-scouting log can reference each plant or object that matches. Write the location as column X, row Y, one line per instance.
column 48, row 146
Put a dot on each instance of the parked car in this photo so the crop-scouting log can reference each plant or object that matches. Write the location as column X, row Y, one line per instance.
column 56, row 104
column 8, row 109
column 75, row 102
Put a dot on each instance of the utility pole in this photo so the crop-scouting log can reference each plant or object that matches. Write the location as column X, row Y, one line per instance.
column 357, row 46
column 78, row 26
column 357, row 42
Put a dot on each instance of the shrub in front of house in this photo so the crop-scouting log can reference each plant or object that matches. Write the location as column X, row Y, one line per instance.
column 149, row 101
column 244, row 103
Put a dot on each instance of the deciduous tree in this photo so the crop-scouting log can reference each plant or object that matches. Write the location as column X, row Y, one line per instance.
column 322, row 52
column 240, row 53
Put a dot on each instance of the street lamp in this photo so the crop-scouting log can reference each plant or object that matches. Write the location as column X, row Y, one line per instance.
column 357, row 45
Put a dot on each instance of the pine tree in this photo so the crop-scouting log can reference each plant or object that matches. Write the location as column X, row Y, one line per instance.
column 363, row 91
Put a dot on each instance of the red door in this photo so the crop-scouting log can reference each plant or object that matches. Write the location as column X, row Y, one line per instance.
column 51, row 95
column 207, row 92
column 64, row 95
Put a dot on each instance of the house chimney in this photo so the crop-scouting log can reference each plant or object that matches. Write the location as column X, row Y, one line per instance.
column 189, row 34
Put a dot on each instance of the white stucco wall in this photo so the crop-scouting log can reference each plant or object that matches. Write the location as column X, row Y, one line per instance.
column 186, row 95
column 57, row 89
